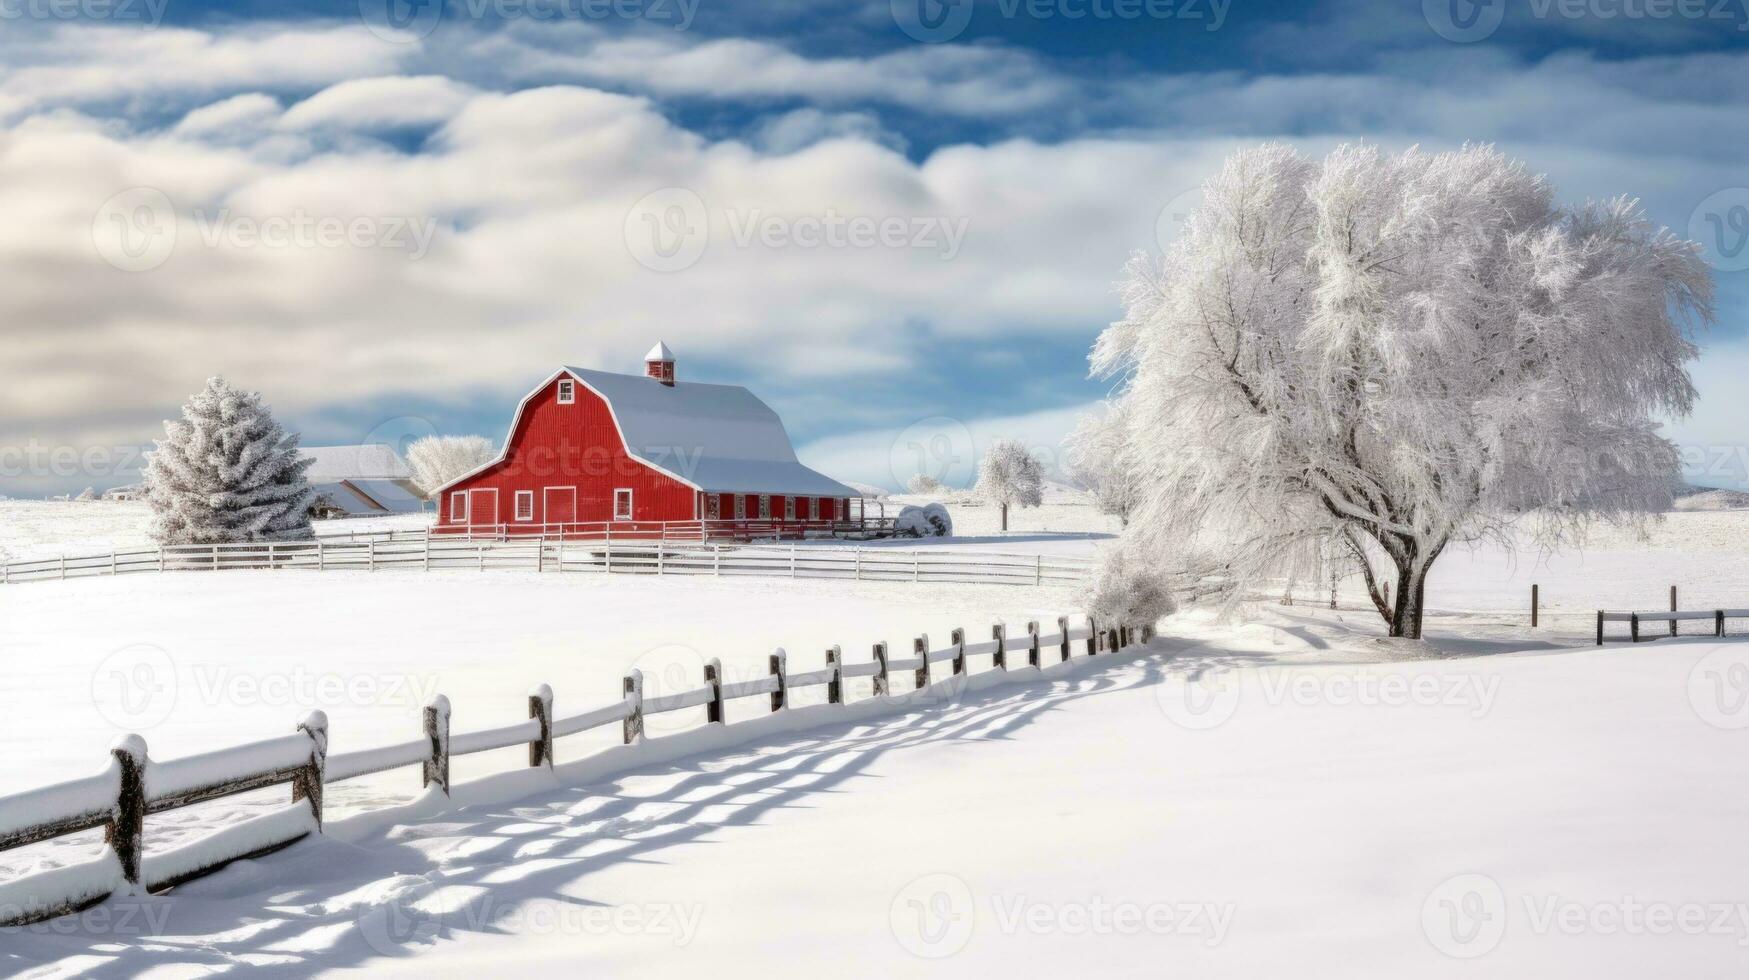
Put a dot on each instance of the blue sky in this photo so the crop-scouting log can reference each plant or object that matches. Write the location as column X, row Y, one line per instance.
column 1019, row 150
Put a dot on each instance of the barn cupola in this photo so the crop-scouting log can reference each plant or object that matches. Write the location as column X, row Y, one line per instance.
column 659, row 364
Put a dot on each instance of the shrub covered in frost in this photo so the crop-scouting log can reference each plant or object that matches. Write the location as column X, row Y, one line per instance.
column 930, row 521
column 922, row 484
column 1129, row 590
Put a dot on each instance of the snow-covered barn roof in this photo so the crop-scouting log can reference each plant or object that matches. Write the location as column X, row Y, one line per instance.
column 372, row 462
column 719, row 438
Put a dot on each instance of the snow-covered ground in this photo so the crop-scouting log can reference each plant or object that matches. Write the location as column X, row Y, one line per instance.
column 52, row 528
column 1265, row 801
column 1325, row 828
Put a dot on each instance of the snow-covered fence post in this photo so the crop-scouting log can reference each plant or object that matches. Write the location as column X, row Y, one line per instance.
column 921, row 646
column 882, row 683
column 1533, row 604
column 835, row 686
column 717, row 560
column 307, row 784
column 1063, row 631
column 779, row 671
column 370, row 555
column 858, row 553
column 634, row 692
column 1032, row 652
column 999, row 633
column 1634, row 627
column 1113, row 644
column 1600, row 627
column 126, row 829
column 425, row 552
column 540, row 709
column 1092, row 635
column 321, row 556
column 959, row 651
column 1719, row 623
column 1673, row 609
column 713, row 679
column 436, row 767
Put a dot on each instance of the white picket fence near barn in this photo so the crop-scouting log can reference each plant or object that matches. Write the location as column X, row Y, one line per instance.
column 425, row 552
column 135, row 786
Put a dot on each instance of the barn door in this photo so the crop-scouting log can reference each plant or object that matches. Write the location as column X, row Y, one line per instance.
column 560, row 509
column 482, row 509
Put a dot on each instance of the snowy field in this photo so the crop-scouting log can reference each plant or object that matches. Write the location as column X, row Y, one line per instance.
column 1316, row 831
column 1275, row 800
column 52, row 528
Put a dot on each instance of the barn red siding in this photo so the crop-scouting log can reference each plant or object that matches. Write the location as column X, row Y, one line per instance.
column 576, row 445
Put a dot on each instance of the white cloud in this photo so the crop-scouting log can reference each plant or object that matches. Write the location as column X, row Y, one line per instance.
column 252, row 113
column 75, row 65
column 367, row 103
column 534, row 191
column 957, row 79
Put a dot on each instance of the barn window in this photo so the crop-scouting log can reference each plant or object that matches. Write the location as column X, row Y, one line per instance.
column 622, row 504
column 525, row 505
column 740, row 507
column 765, row 506
column 789, row 508
column 567, row 392
column 713, row 506
column 813, row 508
column 458, row 508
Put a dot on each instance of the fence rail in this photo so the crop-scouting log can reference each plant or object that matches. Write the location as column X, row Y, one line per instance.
column 135, row 786
column 427, row 552
column 1672, row 617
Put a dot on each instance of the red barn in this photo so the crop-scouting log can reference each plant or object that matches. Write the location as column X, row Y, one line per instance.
column 592, row 453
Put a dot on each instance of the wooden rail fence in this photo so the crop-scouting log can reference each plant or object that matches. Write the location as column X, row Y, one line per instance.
column 134, row 786
column 426, row 552
column 1634, row 619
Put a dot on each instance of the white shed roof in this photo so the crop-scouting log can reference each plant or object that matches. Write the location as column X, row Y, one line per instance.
column 371, row 462
column 720, row 438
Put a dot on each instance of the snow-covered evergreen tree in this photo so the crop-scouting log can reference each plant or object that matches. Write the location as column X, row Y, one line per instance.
column 1388, row 354
column 1009, row 474
column 226, row 471
column 436, row 460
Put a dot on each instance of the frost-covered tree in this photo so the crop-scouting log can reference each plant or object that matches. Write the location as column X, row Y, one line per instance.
column 1009, row 474
column 1388, row 354
column 1097, row 461
column 87, row 495
column 922, row 484
column 436, row 460
column 226, row 471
